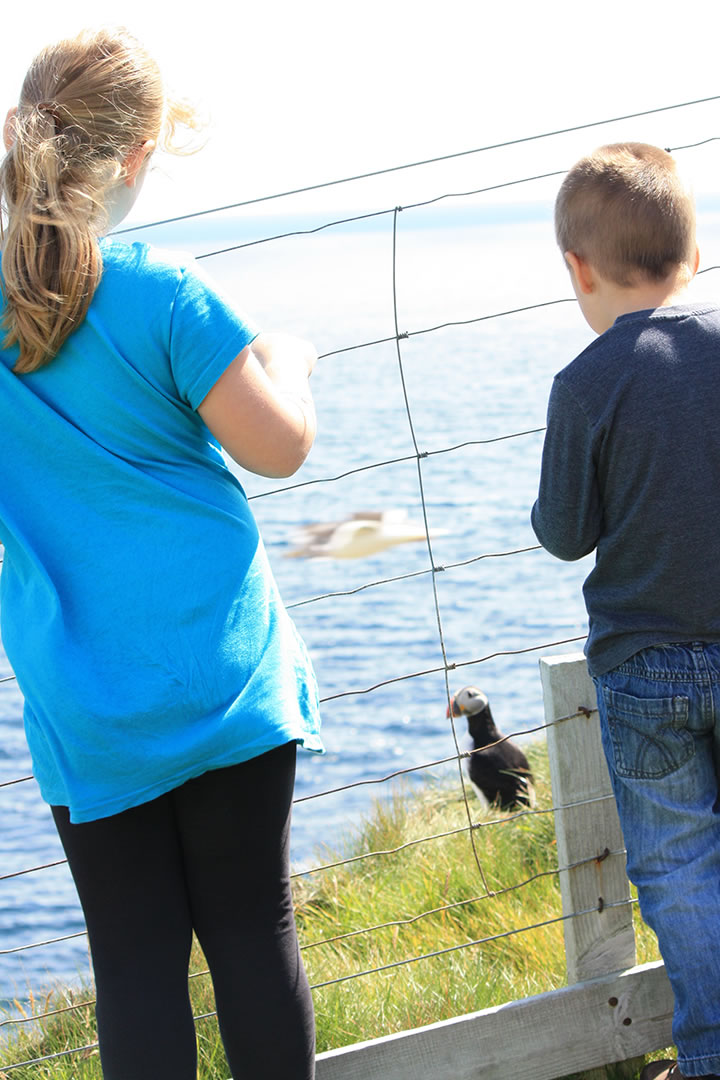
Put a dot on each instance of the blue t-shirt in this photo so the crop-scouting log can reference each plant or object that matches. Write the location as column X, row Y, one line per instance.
column 138, row 609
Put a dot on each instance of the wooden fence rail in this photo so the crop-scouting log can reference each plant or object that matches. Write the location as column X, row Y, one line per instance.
column 611, row 1010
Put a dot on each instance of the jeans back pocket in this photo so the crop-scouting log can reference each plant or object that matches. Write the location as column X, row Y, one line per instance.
column 648, row 736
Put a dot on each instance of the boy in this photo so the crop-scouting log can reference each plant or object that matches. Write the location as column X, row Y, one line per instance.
column 631, row 467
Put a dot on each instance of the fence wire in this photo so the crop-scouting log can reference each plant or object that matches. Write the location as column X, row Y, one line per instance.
column 427, row 161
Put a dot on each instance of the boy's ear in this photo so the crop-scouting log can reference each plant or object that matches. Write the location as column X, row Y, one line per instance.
column 581, row 272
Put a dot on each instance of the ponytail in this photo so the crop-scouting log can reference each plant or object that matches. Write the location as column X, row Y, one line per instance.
column 84, row 106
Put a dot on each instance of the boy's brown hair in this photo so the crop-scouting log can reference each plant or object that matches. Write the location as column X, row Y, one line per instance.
column 626, row 211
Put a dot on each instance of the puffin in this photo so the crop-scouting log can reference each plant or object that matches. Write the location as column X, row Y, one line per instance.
column 500, row 774
column 364, row 533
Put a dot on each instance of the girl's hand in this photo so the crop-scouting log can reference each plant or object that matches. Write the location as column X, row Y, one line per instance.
column 283, row 354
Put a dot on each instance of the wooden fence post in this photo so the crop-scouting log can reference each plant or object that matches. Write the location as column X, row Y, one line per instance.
column 587, row 827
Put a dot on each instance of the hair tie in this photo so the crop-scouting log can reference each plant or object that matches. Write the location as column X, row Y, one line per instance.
column 50, row 109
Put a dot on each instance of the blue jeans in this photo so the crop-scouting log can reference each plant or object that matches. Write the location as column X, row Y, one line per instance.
column 660, row 719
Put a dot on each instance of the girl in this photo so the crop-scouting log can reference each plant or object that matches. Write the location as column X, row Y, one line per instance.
column 165, row 686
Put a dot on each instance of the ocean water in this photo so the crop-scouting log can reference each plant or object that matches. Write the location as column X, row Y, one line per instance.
column 475, row 389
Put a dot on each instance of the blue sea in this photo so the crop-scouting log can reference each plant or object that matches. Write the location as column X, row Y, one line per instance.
column 476, row 371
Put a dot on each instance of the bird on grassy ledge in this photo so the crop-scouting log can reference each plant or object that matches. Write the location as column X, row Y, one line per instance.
column 498, row 770
column 363, row 533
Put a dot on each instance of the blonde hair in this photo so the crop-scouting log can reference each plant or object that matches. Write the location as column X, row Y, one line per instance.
column 85, row 104
column 625, row 209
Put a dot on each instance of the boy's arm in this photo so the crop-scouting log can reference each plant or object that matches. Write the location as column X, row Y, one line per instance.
column 567, row 517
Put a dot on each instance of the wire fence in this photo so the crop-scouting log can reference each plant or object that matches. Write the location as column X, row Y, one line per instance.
column 474, row 823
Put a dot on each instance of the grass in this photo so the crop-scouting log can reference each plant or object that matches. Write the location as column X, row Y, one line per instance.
column 393, row 889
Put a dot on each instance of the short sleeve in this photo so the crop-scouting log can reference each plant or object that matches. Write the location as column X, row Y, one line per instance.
column 206, row 334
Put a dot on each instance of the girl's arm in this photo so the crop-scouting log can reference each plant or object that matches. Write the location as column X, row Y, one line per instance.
column 260, row 410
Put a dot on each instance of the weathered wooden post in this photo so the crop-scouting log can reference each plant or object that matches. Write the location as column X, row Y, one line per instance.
column 587, row 828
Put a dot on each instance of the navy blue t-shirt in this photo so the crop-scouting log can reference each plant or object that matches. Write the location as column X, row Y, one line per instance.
column 631, row 468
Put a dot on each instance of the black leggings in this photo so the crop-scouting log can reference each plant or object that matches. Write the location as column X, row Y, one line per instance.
column 211, row 856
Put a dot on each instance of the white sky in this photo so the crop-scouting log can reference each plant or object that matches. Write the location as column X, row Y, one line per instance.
column 304, row 92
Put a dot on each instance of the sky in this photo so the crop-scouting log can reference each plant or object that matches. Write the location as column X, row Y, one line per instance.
column 304, row 93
